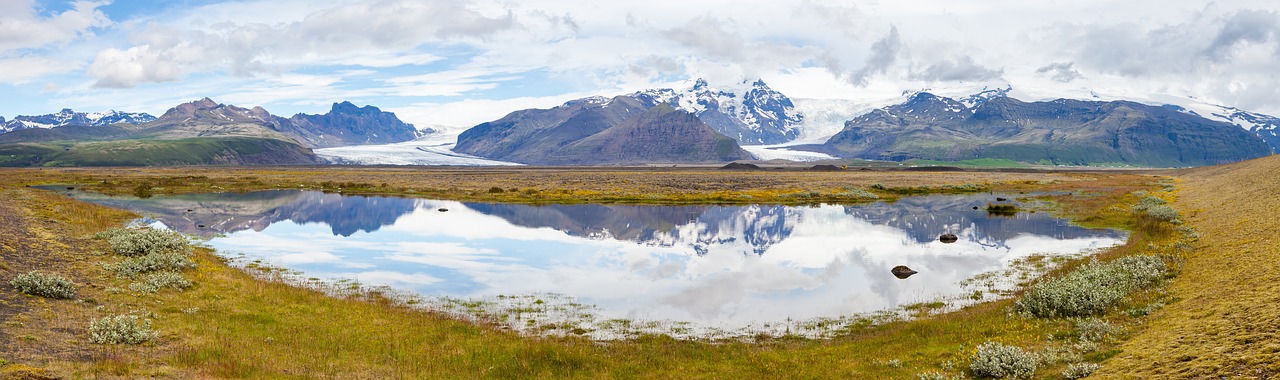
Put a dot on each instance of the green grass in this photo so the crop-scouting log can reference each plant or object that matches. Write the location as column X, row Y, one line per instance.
column 973, row 163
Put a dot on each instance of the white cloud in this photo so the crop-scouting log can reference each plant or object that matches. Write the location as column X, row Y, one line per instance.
column 22, row 28
column 117, row 68
column 24, row 69
column 469, row 112
column 373, row 34
column 482, row 59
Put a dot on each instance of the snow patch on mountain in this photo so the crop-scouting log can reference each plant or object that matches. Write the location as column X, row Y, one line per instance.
column 1265, row 126
column 749, row 112
column 69, row 117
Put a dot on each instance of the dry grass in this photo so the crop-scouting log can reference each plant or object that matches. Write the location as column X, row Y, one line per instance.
column 234, row 325
column 543, row 185
column 1227, row 322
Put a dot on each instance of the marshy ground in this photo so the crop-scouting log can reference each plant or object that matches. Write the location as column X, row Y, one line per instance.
column 1214, row 318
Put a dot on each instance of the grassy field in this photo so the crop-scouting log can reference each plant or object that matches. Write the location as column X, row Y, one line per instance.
column 232, row 324
column 552, row 185
column 1226, row 322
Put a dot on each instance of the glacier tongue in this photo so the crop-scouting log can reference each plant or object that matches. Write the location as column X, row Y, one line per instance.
column 432, row 149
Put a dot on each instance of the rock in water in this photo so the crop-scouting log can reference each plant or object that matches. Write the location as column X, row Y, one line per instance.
column 902, row 271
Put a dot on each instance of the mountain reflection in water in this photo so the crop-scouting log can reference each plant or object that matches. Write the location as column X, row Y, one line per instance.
column 723, row 266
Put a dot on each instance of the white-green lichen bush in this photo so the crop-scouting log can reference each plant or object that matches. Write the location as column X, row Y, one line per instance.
column 1156, row 208
column 1162, row 213
column 157, row 281
column 120, row 329
column 998, row 360
column 135, row 242
column 132, row 267
column 1092, row 288
column 42, row 284
column 1094, row 329
column 1080, row 370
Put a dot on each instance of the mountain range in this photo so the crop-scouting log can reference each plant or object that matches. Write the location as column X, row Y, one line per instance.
column 752, row 114
column 202, row 132
column 70, row 117
column 1058, row 132
column 626, row 129
column 698, row 123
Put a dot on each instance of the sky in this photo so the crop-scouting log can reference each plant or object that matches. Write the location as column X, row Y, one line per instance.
column 458, row 63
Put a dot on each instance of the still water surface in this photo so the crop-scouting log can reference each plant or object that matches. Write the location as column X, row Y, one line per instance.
column 724, row 267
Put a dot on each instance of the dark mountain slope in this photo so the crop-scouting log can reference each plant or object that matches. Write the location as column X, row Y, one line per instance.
column 1070, row 132
column 624, row 129
column 345, row 124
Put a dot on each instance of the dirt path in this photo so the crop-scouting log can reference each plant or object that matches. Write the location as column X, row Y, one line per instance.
column 1227, row 321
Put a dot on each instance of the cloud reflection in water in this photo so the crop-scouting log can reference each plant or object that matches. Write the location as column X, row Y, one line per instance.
column 724, row 266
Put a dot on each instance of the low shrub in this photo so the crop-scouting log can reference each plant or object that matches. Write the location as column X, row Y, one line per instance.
column 1094, row 329
column 1156, row 208
column 1001, row 210
column 42, row 284
column 1162, row 213
column 143, row 241
column 1080, row 370
column 157, row 281
column 1000, row 360
column 1149, row 201
column 134, row 266
column 1092, row 288
column 120, row 329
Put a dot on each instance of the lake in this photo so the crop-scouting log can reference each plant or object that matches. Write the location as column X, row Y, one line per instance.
column 614, row 270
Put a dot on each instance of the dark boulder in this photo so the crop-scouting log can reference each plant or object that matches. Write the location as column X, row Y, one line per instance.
column 902, row 271
column 948, row 238
column 740, row 166
column 824, row 168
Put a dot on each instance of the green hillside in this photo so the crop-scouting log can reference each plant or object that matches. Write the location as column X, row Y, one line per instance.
column 148, row 152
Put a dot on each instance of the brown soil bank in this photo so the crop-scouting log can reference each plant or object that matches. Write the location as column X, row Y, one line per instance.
column 1227, row 322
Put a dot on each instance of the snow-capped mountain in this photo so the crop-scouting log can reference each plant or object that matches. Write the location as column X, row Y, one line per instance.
column 70, row 117
column 992, row 123
column 751, row 113
column 1265, row 126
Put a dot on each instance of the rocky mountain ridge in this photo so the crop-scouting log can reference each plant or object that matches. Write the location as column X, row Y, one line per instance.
column 70, row 117
column 626, row 129
column 752, row 115
column 1060, row 132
